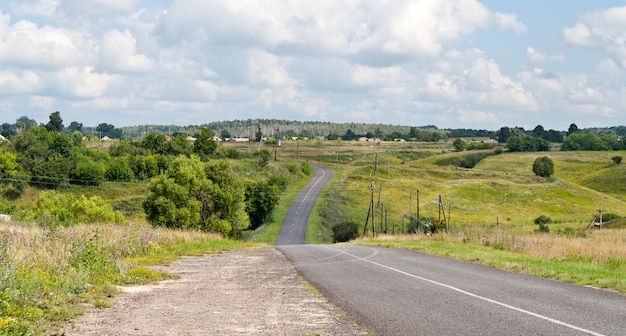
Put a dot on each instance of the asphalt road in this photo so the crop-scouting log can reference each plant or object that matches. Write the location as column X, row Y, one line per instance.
column 293, row 227
column 401, row 292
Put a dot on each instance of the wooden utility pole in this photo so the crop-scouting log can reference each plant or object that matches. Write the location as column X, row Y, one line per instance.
column 370, row 212
column 417, row 200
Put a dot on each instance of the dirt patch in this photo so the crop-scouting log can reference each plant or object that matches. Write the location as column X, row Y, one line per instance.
column 247, row 292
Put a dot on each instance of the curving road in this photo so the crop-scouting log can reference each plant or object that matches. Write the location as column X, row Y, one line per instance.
column 293, row 227
column 401, row 292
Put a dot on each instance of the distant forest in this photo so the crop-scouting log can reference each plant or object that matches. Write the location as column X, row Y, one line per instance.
column 306, row 129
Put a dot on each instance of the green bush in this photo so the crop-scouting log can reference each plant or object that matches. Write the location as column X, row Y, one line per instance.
column 543, row 167
column 306, row 168
column 542, row 221
column 88, row 173
column 617, row 159
column 119, row 170
column 345, row 231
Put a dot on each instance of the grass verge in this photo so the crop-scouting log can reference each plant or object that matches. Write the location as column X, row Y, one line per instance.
column 46, row 274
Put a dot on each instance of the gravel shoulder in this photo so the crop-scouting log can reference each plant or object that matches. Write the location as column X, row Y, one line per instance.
column 246, row 292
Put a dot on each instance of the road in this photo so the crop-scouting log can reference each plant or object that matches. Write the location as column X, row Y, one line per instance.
column 293, row 227
column 401, row 292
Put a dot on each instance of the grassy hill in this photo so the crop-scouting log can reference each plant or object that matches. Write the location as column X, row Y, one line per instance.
column 499, row 188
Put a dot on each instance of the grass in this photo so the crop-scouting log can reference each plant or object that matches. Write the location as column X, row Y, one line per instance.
column 46, row 274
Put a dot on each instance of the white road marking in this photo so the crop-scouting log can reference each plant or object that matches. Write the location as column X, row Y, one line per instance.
column 502, row 304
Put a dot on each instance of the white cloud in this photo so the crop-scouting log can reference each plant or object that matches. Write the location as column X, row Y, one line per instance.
column 82, row 82
column 24, row 44
column 13, row 83
column 604, row 30
column 43, row 8
column 536, row 56
column 418, row 28
column 510, row 21
column 118, row 52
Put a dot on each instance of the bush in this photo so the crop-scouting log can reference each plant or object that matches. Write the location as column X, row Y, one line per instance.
column 543, row 167
column 542, row 221
column 345, row 231
column 87, row 173
column 119, row 170
column 306, row 168
column 617, row 159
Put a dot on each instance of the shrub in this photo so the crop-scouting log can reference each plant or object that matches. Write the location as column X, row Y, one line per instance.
column 88, row 173
column 306, row 168
column 542, row 221
column 543, row 167
column 345, row 231
column 617, row 159
column 119, row 170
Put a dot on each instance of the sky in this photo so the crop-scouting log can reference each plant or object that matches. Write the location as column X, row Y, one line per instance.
column 449, row 63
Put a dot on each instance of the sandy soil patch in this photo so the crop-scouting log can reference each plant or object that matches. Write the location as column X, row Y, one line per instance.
column 247, row 292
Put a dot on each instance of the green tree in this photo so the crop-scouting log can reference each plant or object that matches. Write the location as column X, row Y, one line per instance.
column 539, row 131
column 205, row 145
column 119, row 170
column 55, row 123
column 459, row 145
column 180, row 146
column 572, row 129
column 584, row 142
column 87, row 172
column 543, row 166
column 192, row 194
column 75, row 127
column 261, row 199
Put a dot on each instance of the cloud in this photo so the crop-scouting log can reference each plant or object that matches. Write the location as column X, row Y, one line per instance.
column 118, row 52
column 26, row 45
column 357, row 29
column 510, row 21
column 603, row 30
column 537, row 56
column 14, row 83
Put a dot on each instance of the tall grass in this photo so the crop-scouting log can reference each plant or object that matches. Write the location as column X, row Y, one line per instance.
column 46, row 273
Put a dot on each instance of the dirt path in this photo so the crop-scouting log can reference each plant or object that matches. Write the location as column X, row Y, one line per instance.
column 248, row 292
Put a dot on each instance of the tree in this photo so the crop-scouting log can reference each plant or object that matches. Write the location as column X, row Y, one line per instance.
column 543, row 167
column 55, row 123
column 197, row 195
column 539, row 131
column 261, row 199
column 525, row 143
column 205, row 145
column 24, row 123
column 75, row 126
column 109, row 130
column 504, row 134
column 459, row 145
column 584, row 141
column 572, row 129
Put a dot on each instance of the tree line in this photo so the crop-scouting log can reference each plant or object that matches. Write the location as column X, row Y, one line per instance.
column 190, row 184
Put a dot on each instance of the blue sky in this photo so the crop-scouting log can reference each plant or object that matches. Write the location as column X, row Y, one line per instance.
column 449, row 63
